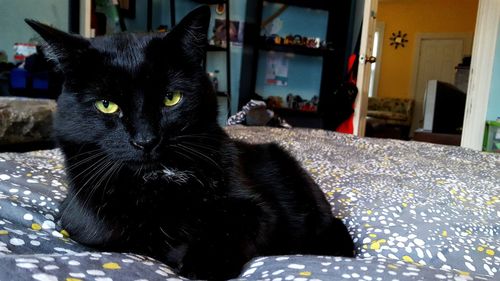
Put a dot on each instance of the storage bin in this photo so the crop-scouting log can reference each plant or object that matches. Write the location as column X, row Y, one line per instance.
column 491, row 141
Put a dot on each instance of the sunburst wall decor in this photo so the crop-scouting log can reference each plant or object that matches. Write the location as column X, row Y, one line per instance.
column 398, row 39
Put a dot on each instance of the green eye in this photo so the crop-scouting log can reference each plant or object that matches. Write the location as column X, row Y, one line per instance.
column 106, row 106
column 172, row 98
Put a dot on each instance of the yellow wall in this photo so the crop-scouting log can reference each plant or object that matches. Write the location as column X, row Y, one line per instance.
column 412, row 17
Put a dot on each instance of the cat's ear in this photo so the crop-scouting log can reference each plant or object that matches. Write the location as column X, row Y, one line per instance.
column 191, row 33
column 60, row 47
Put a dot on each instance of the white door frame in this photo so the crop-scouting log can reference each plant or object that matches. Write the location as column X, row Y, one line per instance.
column 363, row 78
column 419, row 38
column 380, row 28
column 85, row 15
column 478, row 92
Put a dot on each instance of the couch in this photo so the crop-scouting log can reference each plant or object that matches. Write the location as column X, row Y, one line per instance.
column 389, row 117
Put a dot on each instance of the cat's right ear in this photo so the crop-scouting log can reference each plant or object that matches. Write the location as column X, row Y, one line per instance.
column 60, row 47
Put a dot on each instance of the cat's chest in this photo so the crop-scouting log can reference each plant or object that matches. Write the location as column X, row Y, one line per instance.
column 160, row 195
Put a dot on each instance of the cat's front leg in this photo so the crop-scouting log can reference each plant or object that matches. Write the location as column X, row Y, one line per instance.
column 83, row 225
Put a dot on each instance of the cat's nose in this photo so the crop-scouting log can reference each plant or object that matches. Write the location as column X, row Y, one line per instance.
column 146, row 143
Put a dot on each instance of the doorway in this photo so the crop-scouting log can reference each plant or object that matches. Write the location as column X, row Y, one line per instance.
column 439, row 34
column 436, row 57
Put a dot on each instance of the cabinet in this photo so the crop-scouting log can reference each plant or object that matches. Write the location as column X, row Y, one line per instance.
column 311, row 71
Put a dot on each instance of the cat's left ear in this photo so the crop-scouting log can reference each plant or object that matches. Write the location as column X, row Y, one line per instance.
column 191, row 33
column 63, row 48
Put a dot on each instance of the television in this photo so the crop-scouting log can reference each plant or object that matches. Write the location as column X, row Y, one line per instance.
column 444, row 108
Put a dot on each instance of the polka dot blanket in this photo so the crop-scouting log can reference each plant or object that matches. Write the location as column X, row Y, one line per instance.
column 415, row 211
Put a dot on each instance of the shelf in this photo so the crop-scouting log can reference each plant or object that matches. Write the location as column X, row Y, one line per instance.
column 285, row 111
column 213, row 48
column 313, row 4
column 210, row 2
column 300, row 50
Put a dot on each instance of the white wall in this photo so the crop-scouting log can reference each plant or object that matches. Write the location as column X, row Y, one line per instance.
column 12, row 15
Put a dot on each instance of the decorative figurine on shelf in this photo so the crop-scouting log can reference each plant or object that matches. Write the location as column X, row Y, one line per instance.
column 289, row 100
column 278, row 40
column 312, row 42
column 311, row 105
column 289, row 39
column 274, row 102
column 297, row 40
column 215, row 80
column 273, row 39
column 162, row 28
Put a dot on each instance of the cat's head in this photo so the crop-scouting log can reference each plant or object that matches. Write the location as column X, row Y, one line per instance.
column 133, row 95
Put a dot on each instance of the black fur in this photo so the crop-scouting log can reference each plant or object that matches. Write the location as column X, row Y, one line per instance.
column 188, row 195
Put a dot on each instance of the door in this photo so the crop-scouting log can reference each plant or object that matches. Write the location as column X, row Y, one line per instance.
column 437, row 60
column 364, row 69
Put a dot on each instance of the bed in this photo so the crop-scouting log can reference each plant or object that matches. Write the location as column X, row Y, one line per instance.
column 416, row 211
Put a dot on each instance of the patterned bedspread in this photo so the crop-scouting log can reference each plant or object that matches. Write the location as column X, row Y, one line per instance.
column 416, row 211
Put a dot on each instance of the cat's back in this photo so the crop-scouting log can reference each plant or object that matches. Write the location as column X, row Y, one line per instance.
column 274, row 173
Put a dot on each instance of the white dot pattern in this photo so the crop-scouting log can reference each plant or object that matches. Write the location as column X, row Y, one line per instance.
column 415, row 211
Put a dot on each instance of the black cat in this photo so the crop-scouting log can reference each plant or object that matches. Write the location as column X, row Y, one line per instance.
column 151, row 172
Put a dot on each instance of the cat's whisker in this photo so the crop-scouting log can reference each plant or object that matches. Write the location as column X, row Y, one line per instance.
column 82, row 153
column 200, row 136
column 199, row 154
column 168, row 236
column 201, row 146
column 89, row 167
column 116, row 166
column 83, row 161
column 73, row 182
column 182, row 154
column 99, row 176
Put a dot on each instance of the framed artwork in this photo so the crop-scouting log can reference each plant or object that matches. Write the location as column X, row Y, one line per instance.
column 127, row 8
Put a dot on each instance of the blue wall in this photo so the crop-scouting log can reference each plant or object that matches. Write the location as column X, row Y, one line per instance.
column 304, row 77
column 304, row 72
column 12, row 15
column 494, row 101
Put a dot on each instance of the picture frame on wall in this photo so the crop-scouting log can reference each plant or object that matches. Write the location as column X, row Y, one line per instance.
column 127, row 8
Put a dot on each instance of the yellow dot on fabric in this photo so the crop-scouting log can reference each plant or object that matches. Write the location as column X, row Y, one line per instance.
column 305, row 273
column 407, row 259
column 372, row 235
column 369, row 212
column 365, row 247
column 391, row 266
column 73, row 279
column 445, row 233
column 111, row 265
column 4, row 232
column 29, row 174
column 464, row 273
column 64, row 233
column 36, row 226
column 490, row 252
column 376, row 244
column 480, row 249
column 404, row 204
